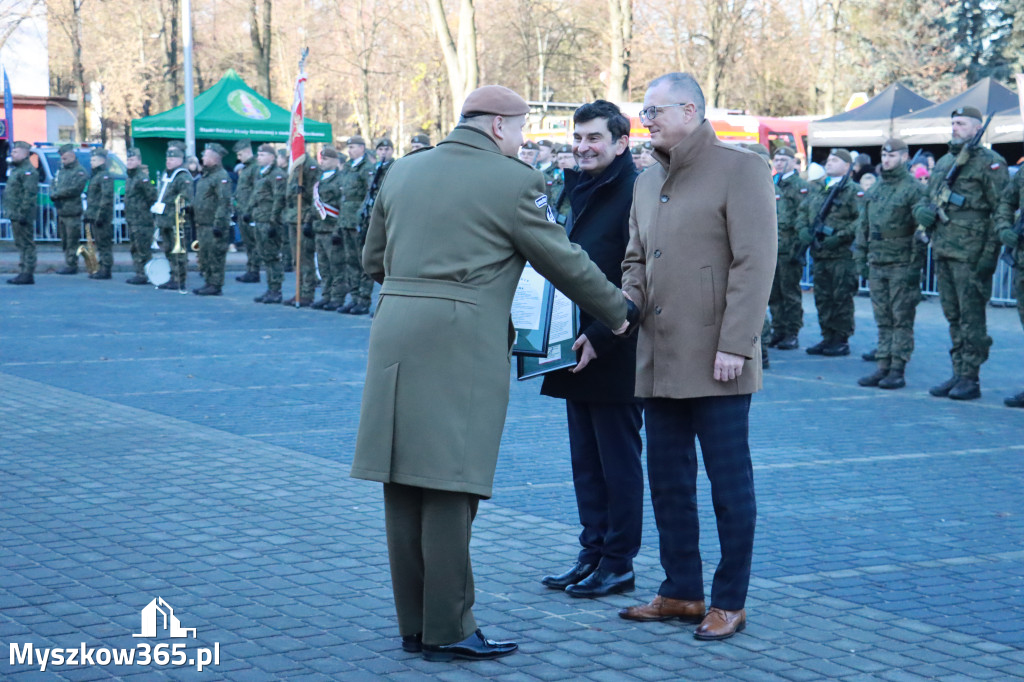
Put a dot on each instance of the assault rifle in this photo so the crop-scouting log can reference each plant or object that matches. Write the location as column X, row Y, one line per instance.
column 944, row 195
column 917, row 155
column 818, row 227
column 1009, row 254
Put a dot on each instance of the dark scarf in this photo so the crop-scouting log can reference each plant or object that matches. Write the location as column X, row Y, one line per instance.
column 583, row 192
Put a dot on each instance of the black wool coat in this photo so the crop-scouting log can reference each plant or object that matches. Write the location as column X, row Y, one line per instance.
column 601, row 227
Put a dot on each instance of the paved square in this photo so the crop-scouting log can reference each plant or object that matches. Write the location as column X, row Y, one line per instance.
column 197, row 450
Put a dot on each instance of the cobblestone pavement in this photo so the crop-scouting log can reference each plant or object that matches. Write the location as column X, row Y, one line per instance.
column 197, row 450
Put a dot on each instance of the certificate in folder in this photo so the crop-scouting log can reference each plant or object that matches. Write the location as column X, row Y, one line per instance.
column 563, row 329
column 531, row 314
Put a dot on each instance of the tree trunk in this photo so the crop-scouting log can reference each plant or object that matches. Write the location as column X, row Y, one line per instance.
column 169, row 32
column 621, row 13
column 77, row 68
column 261, row 45
column 461, row 59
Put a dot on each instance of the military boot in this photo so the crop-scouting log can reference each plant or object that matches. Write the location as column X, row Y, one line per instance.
column 1015, row 400
column 68, row 270
column 894, row 379
column 875, row 378
column 321, row 304
column 332, row 306
column 137, row 279
column 23, row 278
column 775, row 339
column 170, row 284
column 272, row 297
column 870, row 356
column 966, row 389
column 942, row 390
column 208, row 290
column 765, row 362
column 346, row 308
column 249, row 277
column 790, row 342
column 817, row 348
column 836, row 348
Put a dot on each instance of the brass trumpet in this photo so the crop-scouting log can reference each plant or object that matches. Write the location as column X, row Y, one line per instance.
column 179, row 225
column 88, row 251
column 195, row 245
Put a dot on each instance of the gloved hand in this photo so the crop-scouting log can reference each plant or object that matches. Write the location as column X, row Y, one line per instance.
column 833, row 242
column 307, row 232
column 925, row 216
column 1009, row 237
column 632, row 317
column 985, row 269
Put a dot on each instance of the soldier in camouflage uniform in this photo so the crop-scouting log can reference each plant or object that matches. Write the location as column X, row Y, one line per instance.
column 1012, row 201
column 835, row 276
column 139, row 195
column 212, row 210
column 356, row 175
column 21, row 203
column 175, row 182
column 265, row 206
column 891, row 258
column 287, row 237
column 549, row 169
column 566, row 160
column 66, row 194
column 330, row 243
column 786, row 300
column 965, row 248
column 309, row 171
column 99, row 212
column 243, row 193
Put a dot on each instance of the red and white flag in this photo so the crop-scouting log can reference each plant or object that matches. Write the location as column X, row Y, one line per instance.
column 297, row 131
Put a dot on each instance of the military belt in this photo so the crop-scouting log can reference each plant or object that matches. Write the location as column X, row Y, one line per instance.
column 967, row 213
column 420, row 287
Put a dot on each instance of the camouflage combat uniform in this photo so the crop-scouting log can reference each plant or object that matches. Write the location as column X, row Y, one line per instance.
column 1011, row 201
column 786, row 300
column 330, row 243
column 833, row 270
column 21, row 203
column 243, row 194
column 177, row 184
column 355, row 179
column 99, row 213
column 265, row 206
column 289, row 218
column 965, row 250
column 212, row 210
column 139, row 195
column 66, row 194
column 887, row 248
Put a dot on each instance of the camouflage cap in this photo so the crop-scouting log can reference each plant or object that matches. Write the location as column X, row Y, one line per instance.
column 894, row 144
column 421, row 138
column 242, row 144
column 356, row 139
column 65, row 148
column 969, row 112
column 785, row 150
column 217, row 149
column 841, row 153
column 133, row 151
column 564, row 149
column 330, row 152
column 546, row 143
column 530, row 145
column 98, row 151
column 266, row 148
column 21, row 144
column 383, row 142
column 175, row 152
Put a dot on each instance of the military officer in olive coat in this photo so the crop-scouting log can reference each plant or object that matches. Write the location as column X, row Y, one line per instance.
column 66, row 194
column 450, row 233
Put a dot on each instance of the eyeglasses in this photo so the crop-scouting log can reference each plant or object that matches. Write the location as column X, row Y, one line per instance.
column 651, row 113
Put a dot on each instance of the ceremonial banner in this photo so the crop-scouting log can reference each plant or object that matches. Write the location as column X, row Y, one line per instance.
column 297, row 132
column 8, row 131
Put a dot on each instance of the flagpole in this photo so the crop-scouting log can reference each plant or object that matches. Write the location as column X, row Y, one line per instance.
column 297, row 133
column 190, row 109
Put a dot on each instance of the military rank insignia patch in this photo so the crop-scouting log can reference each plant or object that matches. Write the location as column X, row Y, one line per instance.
column 541, row 201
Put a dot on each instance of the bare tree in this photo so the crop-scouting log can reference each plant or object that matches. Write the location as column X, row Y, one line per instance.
column 461, row 58
column 12, row 14
column 621, row 26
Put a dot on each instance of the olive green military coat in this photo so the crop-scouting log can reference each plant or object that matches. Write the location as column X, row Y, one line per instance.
column 450, row 232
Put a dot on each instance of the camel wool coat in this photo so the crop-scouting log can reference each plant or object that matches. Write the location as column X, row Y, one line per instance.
column 699, row 265
column 451, row 230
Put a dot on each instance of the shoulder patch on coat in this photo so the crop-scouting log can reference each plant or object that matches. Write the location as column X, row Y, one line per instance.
column 541, row 201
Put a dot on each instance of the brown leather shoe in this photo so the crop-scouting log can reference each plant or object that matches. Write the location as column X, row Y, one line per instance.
column 721, row 624
column 663, row 608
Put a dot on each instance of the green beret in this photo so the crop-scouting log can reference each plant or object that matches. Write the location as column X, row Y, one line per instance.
column 217, row 148
column 383, row 142
column 420, row 138
column 648, row 145
column 99, row 151
column 636, row 150
column 20, row 144
column 969, row 112
column 356, row 139
column 282, row 152
column 785, row 151
column 531, row 145
column 329, row 152
column 565, row 149
column 546, row 143
column 180, row 144
column 65, row 148
column 242, row 144
column 894, row 144
column 842, row 154
column 175, row 152
column 266, row 148
column 133, row 151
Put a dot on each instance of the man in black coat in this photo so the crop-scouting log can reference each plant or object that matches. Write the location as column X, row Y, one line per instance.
column 604, row 417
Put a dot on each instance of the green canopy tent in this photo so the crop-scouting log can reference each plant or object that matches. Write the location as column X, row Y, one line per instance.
column 228, row 111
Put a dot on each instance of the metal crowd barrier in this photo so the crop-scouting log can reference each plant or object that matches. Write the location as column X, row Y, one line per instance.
column 46, row 218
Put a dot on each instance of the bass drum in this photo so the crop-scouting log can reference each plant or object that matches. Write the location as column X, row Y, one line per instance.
column 158, row 271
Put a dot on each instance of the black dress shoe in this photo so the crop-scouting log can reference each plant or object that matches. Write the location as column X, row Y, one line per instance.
column 412, row 643
column 601, row 583
column 570, row 577
column 476, row 647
